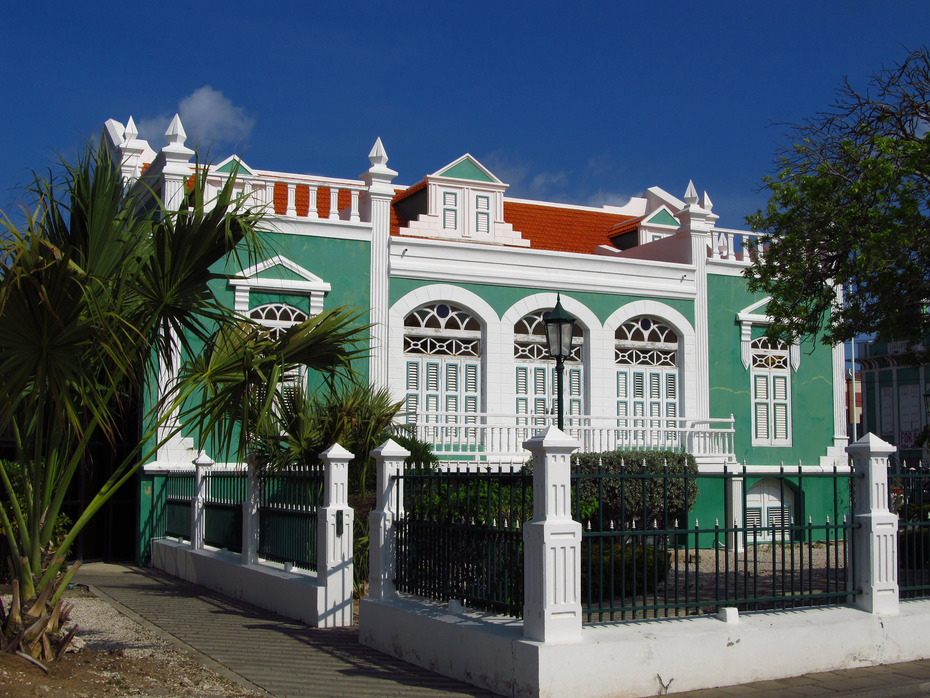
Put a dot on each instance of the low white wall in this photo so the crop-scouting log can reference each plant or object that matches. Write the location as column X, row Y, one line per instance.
column 643, row 658
column 292, row 594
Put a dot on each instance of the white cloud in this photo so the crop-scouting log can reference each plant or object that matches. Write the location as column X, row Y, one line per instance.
column 208, row 117
column 608, row 198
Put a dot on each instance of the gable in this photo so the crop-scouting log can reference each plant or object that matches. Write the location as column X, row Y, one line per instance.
column 233, row 163
column 466, row 167
column 663, row 217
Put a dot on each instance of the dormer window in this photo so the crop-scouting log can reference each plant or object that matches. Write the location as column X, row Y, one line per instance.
column 462, row 201
column 482, row 214
column 450, row 214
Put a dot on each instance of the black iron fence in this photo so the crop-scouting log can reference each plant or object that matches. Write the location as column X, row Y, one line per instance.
column 781, row 540
column 774, row 544
column 461, row 536
column 287, row 513
column 909, row 498
column 224, row 492
column 179, row 491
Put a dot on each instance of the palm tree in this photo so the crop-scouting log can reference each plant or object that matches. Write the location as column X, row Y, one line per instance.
column 97, row 288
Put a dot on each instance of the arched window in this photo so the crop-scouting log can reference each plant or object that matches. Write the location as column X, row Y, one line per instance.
column 646, row 357
column 769, row 510
column 535, row 377
column 771, row 392
column 277, row 317
column 442, row 352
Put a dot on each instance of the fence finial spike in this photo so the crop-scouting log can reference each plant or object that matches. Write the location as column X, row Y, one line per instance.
column 655, row 524
column 716, row 523
column 696, row 524
column 828, row 519
column 810, row 520
column 676, row 523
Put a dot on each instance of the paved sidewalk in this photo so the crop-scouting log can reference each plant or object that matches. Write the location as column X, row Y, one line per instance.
column 286, row 658
column 258, row 648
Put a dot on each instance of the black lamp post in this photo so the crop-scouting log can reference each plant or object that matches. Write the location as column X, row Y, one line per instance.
column 559, row 328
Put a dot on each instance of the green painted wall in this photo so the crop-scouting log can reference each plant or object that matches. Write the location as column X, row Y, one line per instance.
column 811, row 385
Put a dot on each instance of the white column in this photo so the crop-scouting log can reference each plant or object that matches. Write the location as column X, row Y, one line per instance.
column 552, row 544
column 335, row 520
column 376, row 208
column 382, row 538
column 875, row 539
column 250, row 530
column 201, row 463
column 177, row 169
column 698, row 222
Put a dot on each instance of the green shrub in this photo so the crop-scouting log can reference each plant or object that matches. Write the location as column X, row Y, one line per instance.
column 635, row 568
column 634, row 498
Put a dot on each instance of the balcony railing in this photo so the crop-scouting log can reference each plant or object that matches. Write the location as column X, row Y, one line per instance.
column 497, row 439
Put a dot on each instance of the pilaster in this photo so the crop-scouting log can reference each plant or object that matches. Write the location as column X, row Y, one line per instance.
column 376, row 207
column 698, row 222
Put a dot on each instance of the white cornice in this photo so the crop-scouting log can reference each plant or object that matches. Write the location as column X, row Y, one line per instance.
column 319, row 228
column 437, row 260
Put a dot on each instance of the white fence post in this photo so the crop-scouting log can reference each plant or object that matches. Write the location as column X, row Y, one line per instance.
column 201, row 462
column 876, row 537
column 250, row 530
column 552, row 544
column 335, row 520
column 382, row 539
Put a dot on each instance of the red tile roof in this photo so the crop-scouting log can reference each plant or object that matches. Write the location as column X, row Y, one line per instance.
column 561, row 229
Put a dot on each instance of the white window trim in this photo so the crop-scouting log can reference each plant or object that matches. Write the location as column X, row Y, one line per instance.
column 309, row 284
column 749, row 318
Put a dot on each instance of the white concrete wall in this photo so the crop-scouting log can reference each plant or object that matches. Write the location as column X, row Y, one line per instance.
column 293, row 594
column 644, row 658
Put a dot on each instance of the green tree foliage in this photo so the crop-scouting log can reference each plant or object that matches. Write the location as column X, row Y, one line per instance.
column 849, row 206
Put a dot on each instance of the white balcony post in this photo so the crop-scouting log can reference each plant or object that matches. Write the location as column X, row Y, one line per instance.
column 335, row 521
column 875, row 539
column 552, row 544
column 201, row 463
column 382, row 559
column 250, row 530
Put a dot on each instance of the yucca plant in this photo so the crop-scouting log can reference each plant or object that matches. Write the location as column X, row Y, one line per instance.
column 97, row 290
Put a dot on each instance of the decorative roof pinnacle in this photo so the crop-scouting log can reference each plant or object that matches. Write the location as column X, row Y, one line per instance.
column 176, row 134
column 691, row 196
column 130, row 133
column 378, row 155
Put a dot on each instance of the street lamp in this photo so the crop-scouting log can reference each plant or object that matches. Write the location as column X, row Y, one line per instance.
column 559, row 328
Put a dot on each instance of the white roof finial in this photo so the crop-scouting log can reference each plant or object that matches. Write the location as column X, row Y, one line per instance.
column 378, row 155
column 706, row 203
column 131, row 131
column 176, row 134
column 691, row 196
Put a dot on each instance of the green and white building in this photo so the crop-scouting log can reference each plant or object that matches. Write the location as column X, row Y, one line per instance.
column 456, row 277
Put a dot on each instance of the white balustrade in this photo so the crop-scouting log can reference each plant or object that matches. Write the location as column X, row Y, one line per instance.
column 492, row 439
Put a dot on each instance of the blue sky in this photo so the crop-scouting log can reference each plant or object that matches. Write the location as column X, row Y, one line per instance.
column 584, row 102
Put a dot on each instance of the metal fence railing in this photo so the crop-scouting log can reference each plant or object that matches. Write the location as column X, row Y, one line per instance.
column 224, row 492
column 909, row 498
column 461, row 536
column 641, row 558
column 179, row 491
column 780, row 540
column 288, row 503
